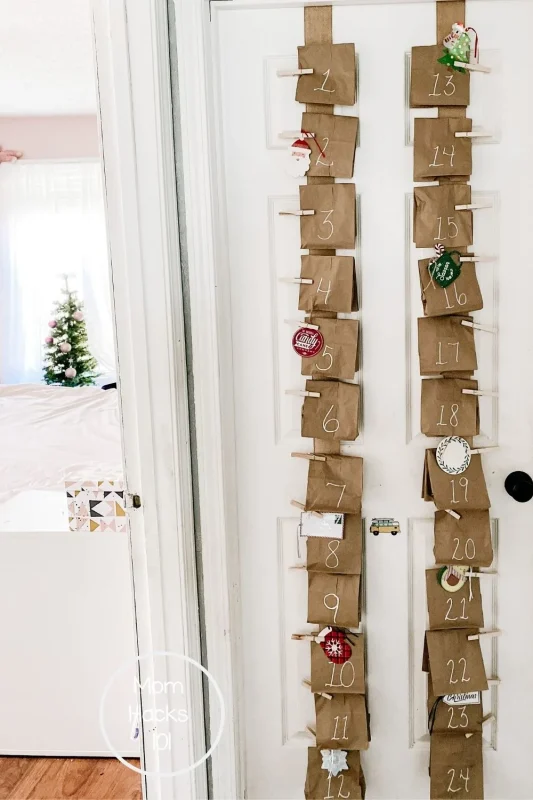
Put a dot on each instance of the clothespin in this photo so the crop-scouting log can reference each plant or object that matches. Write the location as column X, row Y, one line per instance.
column 300, row 323
column 471, row 206
column 477, row 259
column 471, row 67
column 475, row 637
column 306, row 281
column 480, row 393
column 472, row 134
column 307, row 685
column 471, row 574
column 452, row 513
column 289, row 73
column 310, row 730
column 309, row 456
column 304, row 637
column 301, row 507
column 477, row 327
column 480, row 450
column 493, row 681
column 301, row 393
column 299, row 212
column 296, row 135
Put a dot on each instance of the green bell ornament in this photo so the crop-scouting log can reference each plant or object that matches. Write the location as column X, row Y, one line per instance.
column 444, row 270
column 457, row 47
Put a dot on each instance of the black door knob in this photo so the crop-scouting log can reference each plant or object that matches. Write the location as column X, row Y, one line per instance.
column 520, row 486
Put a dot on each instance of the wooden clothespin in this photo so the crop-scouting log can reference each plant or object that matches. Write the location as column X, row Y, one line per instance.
column 309, row 456
column 480, row 393
column 298, row 212
column 306, row 281
column 307, row 685
column 475, row 637
column 472, row 67
column 301, row 393
column 477, row 327
column 296, row 135
column 480, row 450
column 289, row 73
column 300, row 323
column 301, row 507
column 452, row 513
column 488, row 574
column 493, row 681
column 304, row 637
column 477, row 259
column 472, row 206
column 472, row 135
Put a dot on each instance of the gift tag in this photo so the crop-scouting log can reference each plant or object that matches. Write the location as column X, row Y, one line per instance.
column 329, row 526
column 452, row 579
column 299, row 159
column 454, row 455
column 457, row 46
column 336, row 647
column 443, row 269
column 466, row 699
column 307, row 342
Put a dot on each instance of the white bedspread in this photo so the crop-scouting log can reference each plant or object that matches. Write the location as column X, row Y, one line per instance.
column 51, row 434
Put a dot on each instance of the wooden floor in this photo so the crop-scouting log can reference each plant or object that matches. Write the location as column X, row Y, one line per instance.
column 72, row 778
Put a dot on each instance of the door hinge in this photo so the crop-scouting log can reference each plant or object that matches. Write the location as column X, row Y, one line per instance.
column 133, row 500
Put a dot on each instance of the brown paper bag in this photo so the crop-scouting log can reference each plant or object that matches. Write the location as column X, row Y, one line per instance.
column 435, row 219
column 333, row 288
column 463, row 296
column 433, row 84
column 332, row 225
column 333, row 144
column 347, row 678
column 342, row 723
column 320, row 785
column 333, row 599
column 333, row 415
column 445, row 345
column 333, row 79
column 438, row 152
column 455, row 713
column 446, row 411
column 338, row 556
column 335, row 485
column 465, row 541
column 456, row 767
column 462, row 609
column 339, row 356
column 467, row 491
column 455, row 663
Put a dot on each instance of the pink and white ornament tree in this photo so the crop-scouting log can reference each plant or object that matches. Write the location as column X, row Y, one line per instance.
column 68, row 360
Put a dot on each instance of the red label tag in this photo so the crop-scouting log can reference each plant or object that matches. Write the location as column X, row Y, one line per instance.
column 307, row 342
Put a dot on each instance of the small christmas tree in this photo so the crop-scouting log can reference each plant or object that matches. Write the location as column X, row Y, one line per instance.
column 68, row 360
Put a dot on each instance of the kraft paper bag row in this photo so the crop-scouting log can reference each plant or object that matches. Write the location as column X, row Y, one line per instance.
column 454, row 663
column 446, row 411
column 438, row 152
column 453, row 609
column 463, row 296
column 342, row 722
column 335, row 485
column 347, row 678
column 334, row 599
column 333, row 288
column 321, row 785
column 456, row 713
column 333, row 144
column 456, row 767
column 435, row 219
column 466, row 541
column 332, row 226
column 338, row 556
column 446, row 345
column 339, row 355
column 333, row 79
column 333, row 415
column 467, row 491
column 433, row 84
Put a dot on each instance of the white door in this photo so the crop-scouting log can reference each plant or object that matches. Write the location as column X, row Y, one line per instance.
column 252, row 40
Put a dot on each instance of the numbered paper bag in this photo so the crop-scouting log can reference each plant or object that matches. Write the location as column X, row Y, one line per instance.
column 433, row 84
column 333, row 599
column 446, row 345
column 455, row 492
column 332, row 81
column 454, row 713
column 461, row 297
column 466, row 541
column 335, row 678
column 446, row 411
column 461, row 609
column 321, row 784
column 335, row 485
column 342, row 722
column 333, row 288
column 436, row 220
column 454, row 663
column 437, row 150
column 339, row 355
column 332, row 225
column 456, row 767
column 338, row 556
column 332, row 145
column 333, row 415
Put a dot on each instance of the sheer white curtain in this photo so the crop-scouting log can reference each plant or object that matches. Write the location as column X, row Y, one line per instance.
column 52, row 223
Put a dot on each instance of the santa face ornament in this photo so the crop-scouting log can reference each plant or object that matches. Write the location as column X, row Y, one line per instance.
column 299, row 158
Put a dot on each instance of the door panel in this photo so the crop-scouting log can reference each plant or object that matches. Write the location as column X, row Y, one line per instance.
column 253, row 107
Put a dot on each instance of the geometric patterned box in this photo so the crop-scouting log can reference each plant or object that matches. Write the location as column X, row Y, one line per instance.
column 96, row 506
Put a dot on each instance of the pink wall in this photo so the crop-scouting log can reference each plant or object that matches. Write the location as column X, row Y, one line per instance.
column 42, row 138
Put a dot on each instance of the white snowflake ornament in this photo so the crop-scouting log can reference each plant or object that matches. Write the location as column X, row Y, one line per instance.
column 334, row 761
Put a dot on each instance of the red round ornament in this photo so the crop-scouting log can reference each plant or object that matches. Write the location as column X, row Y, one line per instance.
column 307, row 342
column 336, row 647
